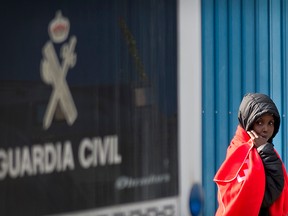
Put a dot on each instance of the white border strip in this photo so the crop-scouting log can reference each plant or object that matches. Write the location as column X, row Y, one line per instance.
column 166, row 206
column 190, row 93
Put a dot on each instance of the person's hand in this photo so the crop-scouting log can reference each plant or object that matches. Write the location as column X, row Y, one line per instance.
column 257, row 139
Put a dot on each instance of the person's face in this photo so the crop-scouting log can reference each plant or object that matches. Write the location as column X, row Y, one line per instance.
column 264, row 126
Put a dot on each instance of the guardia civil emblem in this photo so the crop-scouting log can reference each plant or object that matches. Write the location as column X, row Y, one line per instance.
column 54, row 70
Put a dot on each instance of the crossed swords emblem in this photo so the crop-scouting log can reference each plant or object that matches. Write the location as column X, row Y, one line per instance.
column 54, row 73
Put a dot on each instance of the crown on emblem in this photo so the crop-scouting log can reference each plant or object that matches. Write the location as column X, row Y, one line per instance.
column 58, row 28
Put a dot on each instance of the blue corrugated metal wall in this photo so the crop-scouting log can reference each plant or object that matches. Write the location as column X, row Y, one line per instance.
column 244, row 49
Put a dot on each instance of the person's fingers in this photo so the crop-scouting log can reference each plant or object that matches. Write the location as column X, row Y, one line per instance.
column 255, row 134
column 251, row 134
column 256, row 139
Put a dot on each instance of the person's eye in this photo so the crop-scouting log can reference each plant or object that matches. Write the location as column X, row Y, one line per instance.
column 271, row 123
column 259, row 122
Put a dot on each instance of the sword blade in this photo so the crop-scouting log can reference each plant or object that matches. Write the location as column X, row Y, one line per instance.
column 51, row 57
column 67, row 103
column 50, row 109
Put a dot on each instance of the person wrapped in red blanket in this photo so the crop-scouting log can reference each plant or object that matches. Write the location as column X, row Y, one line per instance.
column 252, row 180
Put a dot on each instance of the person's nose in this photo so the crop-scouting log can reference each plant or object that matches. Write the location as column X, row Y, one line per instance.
column 265, row 128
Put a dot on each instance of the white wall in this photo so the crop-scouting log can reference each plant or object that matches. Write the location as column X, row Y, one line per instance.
column 189, row 82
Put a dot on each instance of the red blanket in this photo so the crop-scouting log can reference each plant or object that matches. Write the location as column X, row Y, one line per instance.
column 241, row 181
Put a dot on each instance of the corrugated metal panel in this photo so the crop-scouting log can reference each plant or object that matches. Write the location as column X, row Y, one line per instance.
column 244, row 49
